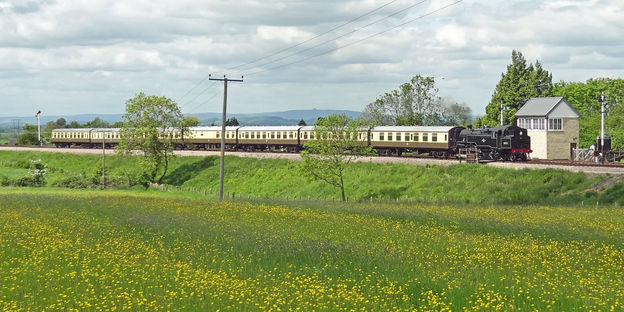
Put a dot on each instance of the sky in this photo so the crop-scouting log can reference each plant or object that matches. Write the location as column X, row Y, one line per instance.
column 67, row 57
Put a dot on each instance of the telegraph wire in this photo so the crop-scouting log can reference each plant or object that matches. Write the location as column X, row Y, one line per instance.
column 315, row 37
column 340, row 36
column 334, row 49
column 291, row 47
column 200, row 94
column 357, row 41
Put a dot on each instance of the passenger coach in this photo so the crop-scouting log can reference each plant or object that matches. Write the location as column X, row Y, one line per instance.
column 436, row 141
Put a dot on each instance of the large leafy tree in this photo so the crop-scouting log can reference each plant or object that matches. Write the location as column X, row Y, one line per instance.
column 152, row 125
column 29, row 136
column 413, row 103
column 516, row 87
column 337, row 143
column 584, row 97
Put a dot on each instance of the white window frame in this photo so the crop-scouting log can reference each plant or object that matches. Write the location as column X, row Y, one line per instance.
column 555, row 124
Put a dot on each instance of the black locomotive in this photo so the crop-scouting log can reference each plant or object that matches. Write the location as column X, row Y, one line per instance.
column 507, row 143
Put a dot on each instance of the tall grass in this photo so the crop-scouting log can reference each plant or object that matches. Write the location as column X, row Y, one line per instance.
column 278, row 178
column 111, row 250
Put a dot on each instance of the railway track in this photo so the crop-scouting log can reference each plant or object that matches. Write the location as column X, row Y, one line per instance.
column 578, row 166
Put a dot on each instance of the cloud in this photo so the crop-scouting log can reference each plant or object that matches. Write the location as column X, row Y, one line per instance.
column 92, row 56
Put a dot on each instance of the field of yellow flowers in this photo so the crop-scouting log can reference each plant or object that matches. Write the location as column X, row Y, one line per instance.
column 111, row 250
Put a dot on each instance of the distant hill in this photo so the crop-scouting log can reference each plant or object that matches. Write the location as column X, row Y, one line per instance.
column 286, row 118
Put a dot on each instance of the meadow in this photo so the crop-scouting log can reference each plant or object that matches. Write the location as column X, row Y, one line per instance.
column 76, row 250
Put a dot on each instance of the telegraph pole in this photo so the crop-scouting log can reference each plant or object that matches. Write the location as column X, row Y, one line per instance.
column 602, row 112
column 222, row 163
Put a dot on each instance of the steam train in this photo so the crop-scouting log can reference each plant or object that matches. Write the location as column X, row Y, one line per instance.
column 508, row 143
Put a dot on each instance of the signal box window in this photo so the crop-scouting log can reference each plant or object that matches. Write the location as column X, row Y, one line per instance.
column 554, row 124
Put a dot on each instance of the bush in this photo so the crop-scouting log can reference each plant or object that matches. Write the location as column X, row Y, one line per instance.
column 76, row 182
column 4, row 181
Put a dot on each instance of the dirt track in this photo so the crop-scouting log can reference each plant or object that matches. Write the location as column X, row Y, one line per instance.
column 402, row 160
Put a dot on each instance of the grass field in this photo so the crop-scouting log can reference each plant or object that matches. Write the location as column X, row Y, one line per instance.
column 114, row 250
column 278, row 178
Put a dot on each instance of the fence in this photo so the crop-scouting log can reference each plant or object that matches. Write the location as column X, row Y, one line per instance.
column 587, row 154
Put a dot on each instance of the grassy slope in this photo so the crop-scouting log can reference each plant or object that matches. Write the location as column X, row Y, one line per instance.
column 462, row 183
column 105, row 250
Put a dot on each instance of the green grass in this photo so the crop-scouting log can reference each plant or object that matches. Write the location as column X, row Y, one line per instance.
column 13, row 173
column 467, row 184
column 105, row 250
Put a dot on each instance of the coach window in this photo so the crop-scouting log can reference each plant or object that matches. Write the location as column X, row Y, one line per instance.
column 381, row 136
column 398, row 136
column 389, row 136
column 434, row 137
column 218, row 134
column 246, row 135
column 445, row 137
column 279, row 135
column 425, row 137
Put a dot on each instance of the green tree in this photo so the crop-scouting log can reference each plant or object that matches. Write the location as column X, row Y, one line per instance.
column 29, row 137
column 152, row 126
column 61, row 122
column 232, row 122
column 190, row 121
column 97, row 122
column 516, row 87
column 584, row 97
column 337, row 143
column 302, row 123
column 414, row 103
column 74, row 124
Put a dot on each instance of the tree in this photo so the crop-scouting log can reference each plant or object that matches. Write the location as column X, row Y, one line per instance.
column 413, row 103
column 190, row 121
column 584, row 97
column 29, row 137
column 302, row 123
column 232, row 122
column 97, row 122
column 74, row 124
column 337, row 143
column 61, row 122
column 152, row 126
column 516, row 87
